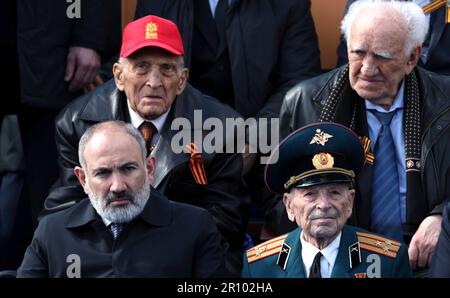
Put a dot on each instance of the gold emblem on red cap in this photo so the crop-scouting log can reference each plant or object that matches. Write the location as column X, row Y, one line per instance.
column 320, row 138
column 323, row 160
column 151, row 31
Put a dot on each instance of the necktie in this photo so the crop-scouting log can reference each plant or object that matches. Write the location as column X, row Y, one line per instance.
column 148, row 130
column 385, row 211
column 314, row 272
column 116, row 229
column 220, row 18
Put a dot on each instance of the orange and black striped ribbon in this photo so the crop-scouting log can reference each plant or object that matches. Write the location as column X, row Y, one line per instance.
column 432, row 6
column 366, row 145
column 196, row 164
column 447, row 13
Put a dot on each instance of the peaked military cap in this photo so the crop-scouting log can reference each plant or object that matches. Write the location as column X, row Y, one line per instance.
column 316, row 154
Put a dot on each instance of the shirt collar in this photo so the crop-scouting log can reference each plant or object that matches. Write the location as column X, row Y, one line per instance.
column 398, row 102
column 136, row 119
column 309, row 251
column 106, row 221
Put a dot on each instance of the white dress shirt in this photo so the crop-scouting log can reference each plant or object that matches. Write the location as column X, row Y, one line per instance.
column 328, row 259
column 136, row 121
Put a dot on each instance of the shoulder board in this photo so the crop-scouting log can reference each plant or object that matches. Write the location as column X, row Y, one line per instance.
column 377, row 244
column 265, row 249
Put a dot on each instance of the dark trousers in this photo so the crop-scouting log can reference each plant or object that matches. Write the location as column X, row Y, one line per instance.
column 37, row 127
column 15, row 225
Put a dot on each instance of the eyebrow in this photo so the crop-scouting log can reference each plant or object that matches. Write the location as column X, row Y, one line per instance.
column 110, row 169
column 384, row 54
column 357, row 48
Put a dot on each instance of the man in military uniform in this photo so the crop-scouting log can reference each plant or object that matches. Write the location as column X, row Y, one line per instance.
column 315, row 170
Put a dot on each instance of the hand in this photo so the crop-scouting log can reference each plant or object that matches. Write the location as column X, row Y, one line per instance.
column 82, row 67
column 91, row 86
column 424, row 242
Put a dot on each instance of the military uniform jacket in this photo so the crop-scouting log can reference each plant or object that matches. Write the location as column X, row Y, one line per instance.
column 281, row 257
column 168, row 239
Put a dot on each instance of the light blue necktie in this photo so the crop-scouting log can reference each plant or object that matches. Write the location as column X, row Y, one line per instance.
column 385, row 211
column 116, row 229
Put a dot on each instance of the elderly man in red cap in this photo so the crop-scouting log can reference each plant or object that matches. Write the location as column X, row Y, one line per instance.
column 150, row 91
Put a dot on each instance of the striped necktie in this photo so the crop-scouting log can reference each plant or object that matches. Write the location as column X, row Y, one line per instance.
column 116, row 229
column 385, row 211
column 148, row 130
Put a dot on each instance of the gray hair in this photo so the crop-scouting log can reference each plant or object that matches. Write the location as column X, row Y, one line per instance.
column 127, row 127
column 411, row 13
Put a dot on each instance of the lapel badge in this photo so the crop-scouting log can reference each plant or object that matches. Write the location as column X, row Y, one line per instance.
column 354, row 255
column 320, row 138
column 323, row 160
column 151, row 31
column 152, row 147
column 360, row 275
column 283, row 256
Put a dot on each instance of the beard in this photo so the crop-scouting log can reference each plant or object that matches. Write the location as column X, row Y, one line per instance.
column 121, row 213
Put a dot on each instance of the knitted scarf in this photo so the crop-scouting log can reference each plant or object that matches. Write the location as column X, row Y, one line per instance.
column 344, row 106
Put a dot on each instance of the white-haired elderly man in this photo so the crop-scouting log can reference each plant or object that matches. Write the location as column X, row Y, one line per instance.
column 401, row 113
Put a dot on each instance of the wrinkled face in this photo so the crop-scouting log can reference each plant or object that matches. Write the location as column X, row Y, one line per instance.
column 377, row 59
column 321, row 211
column 116, row 179
column 151, row 78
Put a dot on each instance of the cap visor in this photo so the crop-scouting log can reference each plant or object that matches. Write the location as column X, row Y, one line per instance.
column 151, row 44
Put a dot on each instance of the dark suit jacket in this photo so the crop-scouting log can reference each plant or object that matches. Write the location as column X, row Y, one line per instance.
column 167, row 239
column 440, row 266
column 225, row 195
column 272, row 44
column 44, row 35
column 8, row 44
column 437, row 59
column 390, row 266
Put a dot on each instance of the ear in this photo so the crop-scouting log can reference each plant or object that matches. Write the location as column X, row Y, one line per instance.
column 150, row 165
column 413, row 59
column 287, row 200
column 118, row 75
column 81, row 175
column 183, row 80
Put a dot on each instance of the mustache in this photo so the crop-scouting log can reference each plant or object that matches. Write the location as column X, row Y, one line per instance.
column 318, row 214
column 116, row 196
column 153, row 94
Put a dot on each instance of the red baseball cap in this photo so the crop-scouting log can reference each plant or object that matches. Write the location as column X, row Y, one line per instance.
column 151, row 31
